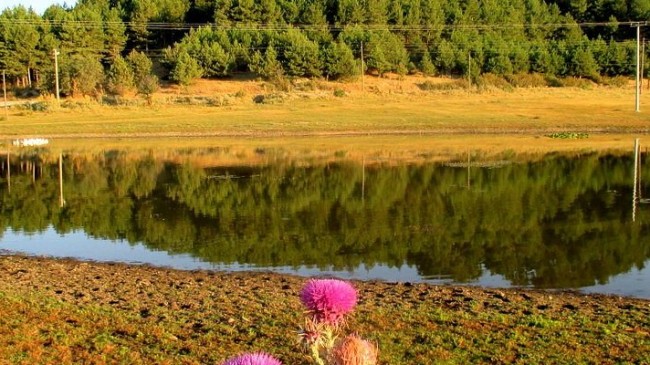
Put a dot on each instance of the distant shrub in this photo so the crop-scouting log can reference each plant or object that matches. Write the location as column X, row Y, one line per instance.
column 39, row 107
column 577, row 82
column 220, row 101
column 553, row 81
column 78, row 104
column 490, row 80
column 304, row 85
column 443, row 86
column 339, row 93
column 616, row 81
column 274, row 98
column 240, row 94
column 568, row 135
column 526, row 80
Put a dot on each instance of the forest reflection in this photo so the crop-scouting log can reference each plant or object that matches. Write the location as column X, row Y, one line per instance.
column 560, row 221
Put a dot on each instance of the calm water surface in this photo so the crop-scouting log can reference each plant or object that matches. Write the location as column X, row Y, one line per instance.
column 558, row 222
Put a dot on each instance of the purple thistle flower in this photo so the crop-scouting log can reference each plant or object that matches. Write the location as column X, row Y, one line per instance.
column 329, row 300
column 256, row 358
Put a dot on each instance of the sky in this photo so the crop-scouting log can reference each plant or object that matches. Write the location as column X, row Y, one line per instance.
column 38, row 5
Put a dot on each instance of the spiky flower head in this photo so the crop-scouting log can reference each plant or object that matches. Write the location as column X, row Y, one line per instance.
column 255, row 358
column 353, row 350
column 328, row 300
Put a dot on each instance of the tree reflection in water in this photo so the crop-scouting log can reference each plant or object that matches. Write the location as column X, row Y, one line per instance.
column 557, row 222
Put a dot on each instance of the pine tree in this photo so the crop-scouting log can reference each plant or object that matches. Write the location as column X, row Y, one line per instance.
column 338, row 61
column 426, row 65
column 120, row 77
column 185, row 69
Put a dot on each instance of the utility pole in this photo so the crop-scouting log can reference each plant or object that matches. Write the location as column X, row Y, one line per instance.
column 642, row 64
column 4, row 92
column 56, row 74
column 638, row 26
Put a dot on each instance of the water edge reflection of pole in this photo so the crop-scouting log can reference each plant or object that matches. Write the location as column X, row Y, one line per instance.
column 469, row 172
column 61, row 200
column 363, row 178
column 636, row 179
column 8, row 171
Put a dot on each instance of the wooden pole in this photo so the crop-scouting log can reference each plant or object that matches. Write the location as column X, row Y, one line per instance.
column 642, row 65
column 56, row 74
column 363, row 71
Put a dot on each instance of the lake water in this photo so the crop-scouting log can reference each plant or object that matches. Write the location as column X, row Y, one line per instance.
column 554, row 222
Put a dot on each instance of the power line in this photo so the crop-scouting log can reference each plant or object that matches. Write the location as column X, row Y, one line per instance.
column 300, row 26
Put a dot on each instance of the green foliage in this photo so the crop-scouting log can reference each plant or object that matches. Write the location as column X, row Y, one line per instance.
column 299, row 56
column 324, row 38
column 185, row 69
column 140, row 64
column 426, row 65
column 208, row 48
column 80, row 75
column 146, row 83
column 120, row 78
column 268, row 65
column 339, row 61
column 20, row 38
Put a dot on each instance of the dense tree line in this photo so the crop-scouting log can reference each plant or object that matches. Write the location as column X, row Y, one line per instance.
column 313, row 38
column 553, row 223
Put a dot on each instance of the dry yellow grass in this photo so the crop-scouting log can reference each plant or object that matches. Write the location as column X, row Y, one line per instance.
column 388, row 119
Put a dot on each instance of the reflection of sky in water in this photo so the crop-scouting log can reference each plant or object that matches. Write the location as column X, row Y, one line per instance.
column 78, row 245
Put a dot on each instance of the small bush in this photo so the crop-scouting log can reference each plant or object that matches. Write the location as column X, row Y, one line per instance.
column 274, row 98
column 577, row 82
column 568, row 135
column 445, row 86
column 304, row 85
column 553, row 81
column 219, row 101
column 33, row 106
column 526, row 80
column 240, row 94
column 339, row 93
column 281, row 83
column 616, row 81
column 489, row 80
column 26, row 92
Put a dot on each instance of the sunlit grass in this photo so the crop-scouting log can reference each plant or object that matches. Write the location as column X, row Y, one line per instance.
column 522, row 111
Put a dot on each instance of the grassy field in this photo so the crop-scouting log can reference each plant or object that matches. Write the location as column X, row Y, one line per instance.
column 201, row 111
column 391, row 119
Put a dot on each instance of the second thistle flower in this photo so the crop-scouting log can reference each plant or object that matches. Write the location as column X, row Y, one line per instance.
column 328, row 300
